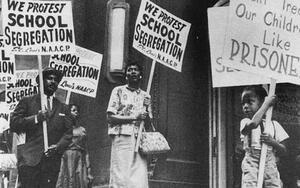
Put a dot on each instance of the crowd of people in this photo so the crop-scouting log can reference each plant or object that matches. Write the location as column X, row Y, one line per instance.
column 65, row 162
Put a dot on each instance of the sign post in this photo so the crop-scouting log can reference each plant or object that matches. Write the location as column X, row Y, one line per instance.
column 43, row 102
column 263, row 153
column 68, row 97
column 138, row 140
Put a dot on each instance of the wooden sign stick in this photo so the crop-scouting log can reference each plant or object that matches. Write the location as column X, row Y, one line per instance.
column 138, row 140
column 43, row 101
column 68, row 97
column 264, row 148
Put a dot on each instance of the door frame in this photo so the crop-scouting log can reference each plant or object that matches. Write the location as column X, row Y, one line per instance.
column 217, row 138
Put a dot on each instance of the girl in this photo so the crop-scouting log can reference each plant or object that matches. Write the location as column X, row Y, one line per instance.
column 255, row 104
column 75, row 171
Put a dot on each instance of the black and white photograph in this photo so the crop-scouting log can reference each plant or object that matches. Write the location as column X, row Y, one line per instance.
column 149, row 94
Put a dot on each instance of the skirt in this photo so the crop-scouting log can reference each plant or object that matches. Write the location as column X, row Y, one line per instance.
column 73, row 171
column 127, row 168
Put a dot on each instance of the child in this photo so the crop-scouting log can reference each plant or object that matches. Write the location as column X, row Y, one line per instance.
column 255, row 104
column 75, row 168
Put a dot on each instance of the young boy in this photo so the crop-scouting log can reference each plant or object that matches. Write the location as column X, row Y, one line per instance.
column 253, row 134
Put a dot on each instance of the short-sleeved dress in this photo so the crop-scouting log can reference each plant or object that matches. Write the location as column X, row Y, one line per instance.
column 127, row 168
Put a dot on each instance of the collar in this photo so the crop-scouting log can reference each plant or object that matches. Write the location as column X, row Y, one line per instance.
column 45, row 96
column 133, row 89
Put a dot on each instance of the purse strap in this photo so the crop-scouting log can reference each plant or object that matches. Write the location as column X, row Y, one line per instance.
column 152, row 126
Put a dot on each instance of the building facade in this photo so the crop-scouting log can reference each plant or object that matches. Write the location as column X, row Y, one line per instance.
column 201, row 123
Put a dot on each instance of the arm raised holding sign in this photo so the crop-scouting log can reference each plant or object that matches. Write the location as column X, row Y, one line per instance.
column 253, row 134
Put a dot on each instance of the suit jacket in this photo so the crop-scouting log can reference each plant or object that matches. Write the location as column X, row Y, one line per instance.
column 59, row 128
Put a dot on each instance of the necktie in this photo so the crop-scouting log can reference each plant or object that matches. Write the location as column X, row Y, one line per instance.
column 48, row 103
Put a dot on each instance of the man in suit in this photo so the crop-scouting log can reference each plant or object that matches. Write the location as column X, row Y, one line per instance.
column 38, row 168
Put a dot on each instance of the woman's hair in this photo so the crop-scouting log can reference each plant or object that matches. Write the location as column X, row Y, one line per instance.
column 258, row 90
column 134, row 63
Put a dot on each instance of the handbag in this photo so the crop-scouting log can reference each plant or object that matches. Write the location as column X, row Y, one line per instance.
column 153, row 143
column 8, row 161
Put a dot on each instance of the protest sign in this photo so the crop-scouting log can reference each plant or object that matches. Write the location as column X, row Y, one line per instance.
column 38, row 27
column 263, row 37
column 81, row 71
column 4, row 117
column 25, row 85
column 223, row 76
column 7, row 65
column 160, row 35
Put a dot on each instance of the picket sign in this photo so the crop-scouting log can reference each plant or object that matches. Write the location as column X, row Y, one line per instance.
column 162, row 56
column 43, row 101
column 263, row 153
column 138, row 140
